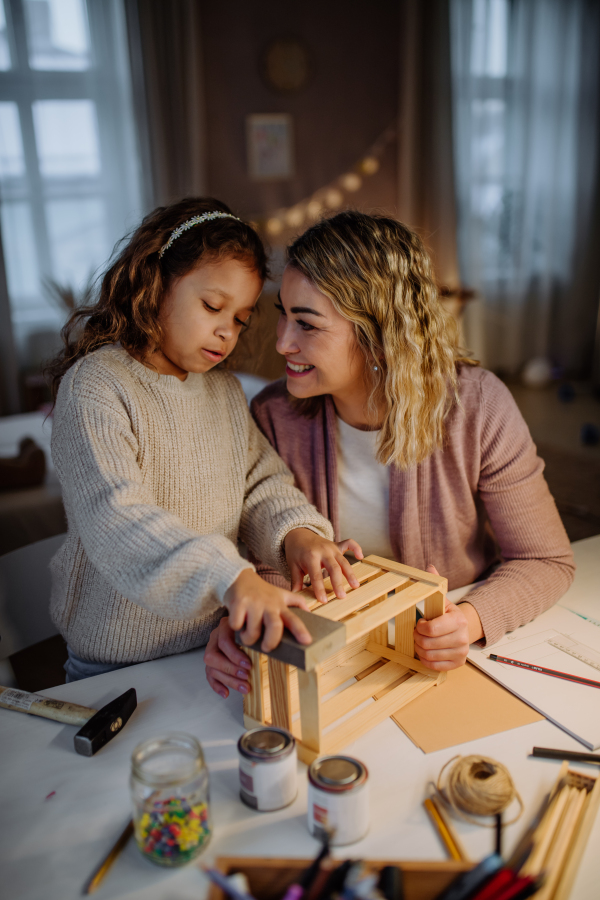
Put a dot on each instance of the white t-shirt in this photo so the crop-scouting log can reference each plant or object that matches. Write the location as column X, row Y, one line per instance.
column 363, row 491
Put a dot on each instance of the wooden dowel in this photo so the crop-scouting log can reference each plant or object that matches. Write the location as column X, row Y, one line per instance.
column 542, row 837
column 557, row 852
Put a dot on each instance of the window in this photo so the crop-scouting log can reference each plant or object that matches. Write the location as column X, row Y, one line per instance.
column 525, row 95
column 483, row 90
column 69, row 180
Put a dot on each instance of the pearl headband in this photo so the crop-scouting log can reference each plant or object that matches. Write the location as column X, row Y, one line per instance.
column 195, row 220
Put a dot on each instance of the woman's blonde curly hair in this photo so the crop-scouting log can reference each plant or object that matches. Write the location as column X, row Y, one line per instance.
column 378, row 275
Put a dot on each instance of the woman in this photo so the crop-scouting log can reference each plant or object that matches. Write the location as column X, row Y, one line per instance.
column 397, row 438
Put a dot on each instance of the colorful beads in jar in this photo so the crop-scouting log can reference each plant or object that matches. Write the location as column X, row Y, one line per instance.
column 170, row 792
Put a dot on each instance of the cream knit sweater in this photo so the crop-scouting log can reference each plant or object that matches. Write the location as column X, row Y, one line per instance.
column 160, row 477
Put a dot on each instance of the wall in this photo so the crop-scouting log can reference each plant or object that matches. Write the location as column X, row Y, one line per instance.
column 351, row 98
column 349, row 101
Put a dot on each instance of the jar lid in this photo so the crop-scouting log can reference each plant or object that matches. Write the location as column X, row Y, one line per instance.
column 337, row 772
column 266, row 743
column 167, row 759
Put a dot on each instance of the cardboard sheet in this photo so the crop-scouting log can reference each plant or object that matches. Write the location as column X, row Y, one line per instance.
column 467, row 706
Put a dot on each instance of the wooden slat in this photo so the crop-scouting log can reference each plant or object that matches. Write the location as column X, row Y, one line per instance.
column 390, row 565
column 371, row 715
column 311, row 710
column 401, row 658
column 385, row 610
column 362, row 572
column 279, row 684
column 404, row 626
column 357, row 693
column 366, row 593
column 348, row 669
column 434, row 605
column 380, row 634
column 254, row 701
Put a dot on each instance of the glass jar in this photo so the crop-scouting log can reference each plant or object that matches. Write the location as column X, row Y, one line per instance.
column 169, row 788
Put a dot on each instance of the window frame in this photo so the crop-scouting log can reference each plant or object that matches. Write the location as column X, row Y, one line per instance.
column 107, row 83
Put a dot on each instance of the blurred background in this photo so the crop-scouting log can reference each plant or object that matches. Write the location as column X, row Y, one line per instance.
column 474, row 121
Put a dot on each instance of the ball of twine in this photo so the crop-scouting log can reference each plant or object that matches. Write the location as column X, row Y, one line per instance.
column 478, row 786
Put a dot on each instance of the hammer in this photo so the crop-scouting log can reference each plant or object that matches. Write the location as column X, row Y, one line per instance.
column 99, row 726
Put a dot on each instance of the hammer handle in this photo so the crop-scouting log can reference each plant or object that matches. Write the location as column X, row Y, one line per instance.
column 36, row 705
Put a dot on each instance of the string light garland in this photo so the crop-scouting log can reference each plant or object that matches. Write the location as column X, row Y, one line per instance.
column 478, row 786
column 326, row 199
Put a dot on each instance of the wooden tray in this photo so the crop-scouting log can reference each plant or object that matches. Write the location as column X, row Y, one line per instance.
column 269, row 878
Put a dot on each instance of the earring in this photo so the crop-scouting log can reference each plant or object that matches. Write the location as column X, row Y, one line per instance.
column 375, row 368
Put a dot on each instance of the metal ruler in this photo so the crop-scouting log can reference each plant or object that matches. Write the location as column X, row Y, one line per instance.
column 577, row 650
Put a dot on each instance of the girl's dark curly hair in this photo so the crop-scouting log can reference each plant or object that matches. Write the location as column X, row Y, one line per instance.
column 134, row 285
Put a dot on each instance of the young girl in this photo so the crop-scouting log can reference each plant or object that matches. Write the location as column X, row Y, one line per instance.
column 161, row 466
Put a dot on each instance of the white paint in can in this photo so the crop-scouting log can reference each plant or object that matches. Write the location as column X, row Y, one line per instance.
column 268, row 768
column 338, row 799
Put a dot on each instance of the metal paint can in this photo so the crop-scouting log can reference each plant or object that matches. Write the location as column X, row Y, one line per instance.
column 338, row 799
column 268, row 768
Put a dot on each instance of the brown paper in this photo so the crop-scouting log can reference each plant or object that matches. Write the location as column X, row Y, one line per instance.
column 467, row 706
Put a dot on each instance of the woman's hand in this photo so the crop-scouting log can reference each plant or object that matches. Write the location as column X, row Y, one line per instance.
column 226, row 665
column 443, row 643
column 255, row 602
column 308, row 554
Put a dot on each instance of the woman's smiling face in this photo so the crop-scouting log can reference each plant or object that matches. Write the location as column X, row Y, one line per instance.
column 318, row 343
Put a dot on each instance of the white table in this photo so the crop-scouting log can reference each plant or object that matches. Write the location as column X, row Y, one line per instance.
column 49, row 847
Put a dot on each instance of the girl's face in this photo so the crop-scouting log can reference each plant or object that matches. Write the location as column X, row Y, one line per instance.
column 318, row 343
column 203, row 314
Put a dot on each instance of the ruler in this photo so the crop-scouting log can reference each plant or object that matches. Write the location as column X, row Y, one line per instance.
column 577, row 650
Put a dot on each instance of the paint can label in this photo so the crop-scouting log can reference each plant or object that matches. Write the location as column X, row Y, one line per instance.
column 345, row 813
column 269, row 785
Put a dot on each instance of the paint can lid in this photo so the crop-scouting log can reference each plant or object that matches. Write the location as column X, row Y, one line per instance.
column 337, row 773
column 266, row 743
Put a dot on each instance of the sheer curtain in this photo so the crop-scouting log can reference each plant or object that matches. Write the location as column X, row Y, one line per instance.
column 165, row 45
column 426, row 194
column 525, row 104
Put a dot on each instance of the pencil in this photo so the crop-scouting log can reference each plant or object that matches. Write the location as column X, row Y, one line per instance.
column 445, row 831
column 97, row 877
column 523, row 665
column 573, row 755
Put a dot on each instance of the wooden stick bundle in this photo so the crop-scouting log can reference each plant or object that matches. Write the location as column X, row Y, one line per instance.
column 559, row 838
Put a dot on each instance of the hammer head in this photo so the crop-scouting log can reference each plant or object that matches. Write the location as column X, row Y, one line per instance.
column 105, row 724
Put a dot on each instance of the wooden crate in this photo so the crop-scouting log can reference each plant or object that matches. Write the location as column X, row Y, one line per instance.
column 388, row 674
column 269, row 878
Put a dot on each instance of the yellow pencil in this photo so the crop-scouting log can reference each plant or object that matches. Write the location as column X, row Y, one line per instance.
column 98, row 876
column 445, row 830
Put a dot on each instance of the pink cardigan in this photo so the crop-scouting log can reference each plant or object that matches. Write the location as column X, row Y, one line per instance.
column 481, row 502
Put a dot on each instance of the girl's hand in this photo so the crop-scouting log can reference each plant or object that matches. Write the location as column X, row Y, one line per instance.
column 226, row 665
column 308, row 554
column 443, row 643
column 254, row 601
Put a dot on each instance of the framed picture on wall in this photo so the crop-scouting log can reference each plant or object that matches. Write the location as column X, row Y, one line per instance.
column 269, row 141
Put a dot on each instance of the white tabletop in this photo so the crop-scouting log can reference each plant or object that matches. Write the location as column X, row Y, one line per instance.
column 49, row 847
